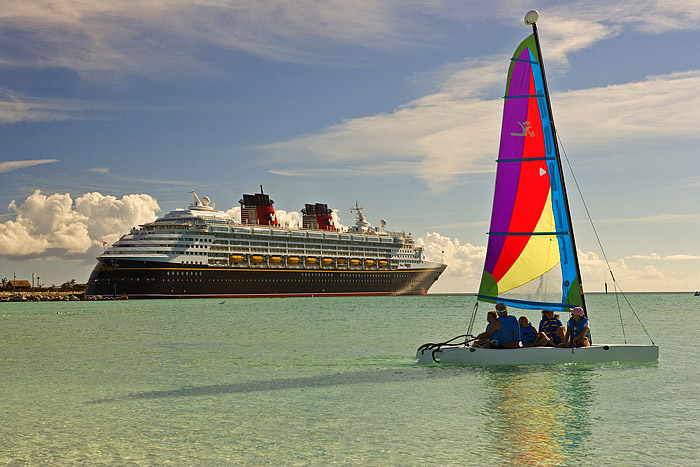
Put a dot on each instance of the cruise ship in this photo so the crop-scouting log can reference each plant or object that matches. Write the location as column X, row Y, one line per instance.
column 200, row 252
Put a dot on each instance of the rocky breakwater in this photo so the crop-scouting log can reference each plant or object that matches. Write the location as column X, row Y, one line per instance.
column 48, row 297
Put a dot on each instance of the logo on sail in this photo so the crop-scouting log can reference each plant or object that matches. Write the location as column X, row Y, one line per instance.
column 527, row 129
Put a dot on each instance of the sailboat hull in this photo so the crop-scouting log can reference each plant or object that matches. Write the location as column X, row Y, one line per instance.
column 602, row 353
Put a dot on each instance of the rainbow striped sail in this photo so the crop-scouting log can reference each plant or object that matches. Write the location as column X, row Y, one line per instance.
column 530, row 260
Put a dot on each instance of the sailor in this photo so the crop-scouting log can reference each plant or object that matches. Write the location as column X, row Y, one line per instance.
column 578, row 329
column 482, row 340
column 552, row 327
column 508, row 334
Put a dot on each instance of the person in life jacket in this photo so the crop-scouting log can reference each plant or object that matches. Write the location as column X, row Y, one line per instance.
column 529, row 337
column 552, row 327
column 507, row 336
column 482, row 340
column 578, row 329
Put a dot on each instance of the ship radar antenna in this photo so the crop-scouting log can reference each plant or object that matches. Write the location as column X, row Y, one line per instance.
column 197, row 201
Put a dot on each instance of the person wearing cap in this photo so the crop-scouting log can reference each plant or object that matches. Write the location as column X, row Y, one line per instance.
column 552, row 327
column 578, row 329
column 507, row 335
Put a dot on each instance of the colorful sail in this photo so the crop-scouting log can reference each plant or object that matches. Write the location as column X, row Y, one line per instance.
column 530, row 260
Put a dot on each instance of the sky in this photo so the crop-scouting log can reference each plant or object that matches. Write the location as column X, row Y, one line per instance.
column 110, row 112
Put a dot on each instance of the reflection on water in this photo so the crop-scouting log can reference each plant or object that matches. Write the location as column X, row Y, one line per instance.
column 539, row 416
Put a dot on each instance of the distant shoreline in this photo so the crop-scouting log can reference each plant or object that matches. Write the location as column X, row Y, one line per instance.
column 7, row 296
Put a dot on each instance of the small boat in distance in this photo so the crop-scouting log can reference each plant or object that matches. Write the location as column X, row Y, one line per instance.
column 531, row 260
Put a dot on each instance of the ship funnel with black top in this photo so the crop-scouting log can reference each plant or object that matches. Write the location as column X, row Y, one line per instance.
column 318, row 216
column 257, row 209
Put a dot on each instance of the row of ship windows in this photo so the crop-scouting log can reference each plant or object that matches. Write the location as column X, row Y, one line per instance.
column 276, row 247
column 257, row 240
column 303, row 274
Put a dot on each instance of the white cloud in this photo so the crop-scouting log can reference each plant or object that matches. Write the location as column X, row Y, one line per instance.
column 465, row 262
column 438, row 137
column 9, row 166
column 649, row 16
column 55, row 226
column 656, row 256
column 100, row 170
column 655, row 219
column 18, row 107
column 153, row 37
column 646, row 277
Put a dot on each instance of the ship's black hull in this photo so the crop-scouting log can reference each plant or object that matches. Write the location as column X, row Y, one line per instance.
column 140, row 279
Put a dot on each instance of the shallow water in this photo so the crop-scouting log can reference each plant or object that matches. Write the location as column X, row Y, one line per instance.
column 331, row 380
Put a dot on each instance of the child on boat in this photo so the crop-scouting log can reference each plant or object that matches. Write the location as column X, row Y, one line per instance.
column 552, row 327
column 578, row 329
column 529, row 337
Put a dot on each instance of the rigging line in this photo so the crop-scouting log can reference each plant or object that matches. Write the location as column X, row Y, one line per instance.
column 600, row 244
column 471, row 322
column 624, row 336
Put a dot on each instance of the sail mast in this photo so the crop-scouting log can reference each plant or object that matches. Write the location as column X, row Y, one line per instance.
column 530, row 20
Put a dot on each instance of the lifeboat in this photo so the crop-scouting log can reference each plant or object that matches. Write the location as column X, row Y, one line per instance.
column 382, row 263
column 341, row 260
column 326, row 261
column 292, row 260
column 275, row 259
column 235, row 258
column 354, row 262
column 369, row 262
column 256, row 259
column 310, row 260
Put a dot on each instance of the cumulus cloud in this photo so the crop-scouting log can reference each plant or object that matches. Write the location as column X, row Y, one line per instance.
column 9, row 166
column 57, row 226
column 643, row 277
column 465, row 262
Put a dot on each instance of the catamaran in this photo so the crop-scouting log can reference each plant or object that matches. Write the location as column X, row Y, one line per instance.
column 531, row 260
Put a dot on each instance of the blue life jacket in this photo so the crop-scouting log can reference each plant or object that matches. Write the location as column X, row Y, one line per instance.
column 577, row 329
column 509, row 332
column 550, row 326
column 527, row 334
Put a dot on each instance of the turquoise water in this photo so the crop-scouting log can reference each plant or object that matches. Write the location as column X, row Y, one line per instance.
column 317, row 381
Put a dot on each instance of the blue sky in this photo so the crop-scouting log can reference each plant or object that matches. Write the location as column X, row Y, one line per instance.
column 110, row 113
